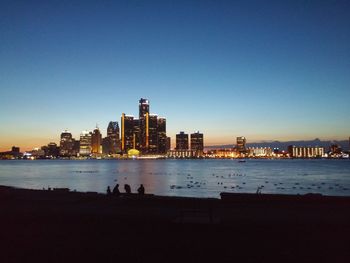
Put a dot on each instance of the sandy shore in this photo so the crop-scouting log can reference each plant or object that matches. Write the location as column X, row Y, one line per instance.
column 58, row 226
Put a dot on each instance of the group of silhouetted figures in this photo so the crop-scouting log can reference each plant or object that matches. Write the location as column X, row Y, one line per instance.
column 127, row 188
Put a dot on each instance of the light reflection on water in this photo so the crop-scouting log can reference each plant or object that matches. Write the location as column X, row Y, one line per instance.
column 199, row 178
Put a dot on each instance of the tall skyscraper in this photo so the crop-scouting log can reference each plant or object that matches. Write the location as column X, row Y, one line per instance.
column 66, row 144
column 143, row 107
column 144, row 125
column 241, row 147
column 127, row 134
column 136, row 134
column 181, row 141
column 162, row 139
column 197, row 143
column 152, row 133
column 85, row 143
column 96, row 141
column 112, row 142
column 147, row 134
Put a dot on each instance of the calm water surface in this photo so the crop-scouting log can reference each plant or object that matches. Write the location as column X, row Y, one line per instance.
column 198, row 178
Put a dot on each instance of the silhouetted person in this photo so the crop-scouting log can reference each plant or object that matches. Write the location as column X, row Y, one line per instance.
column 109, row 191
column 141, row 190
column 116, row 191
column 127, row 189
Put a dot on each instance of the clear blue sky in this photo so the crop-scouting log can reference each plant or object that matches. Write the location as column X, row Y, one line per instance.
column 264, row 69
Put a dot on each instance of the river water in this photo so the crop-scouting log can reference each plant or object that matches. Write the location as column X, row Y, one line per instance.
column 196, row 178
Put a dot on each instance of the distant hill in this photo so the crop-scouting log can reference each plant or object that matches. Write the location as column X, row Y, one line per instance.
column 284, row 145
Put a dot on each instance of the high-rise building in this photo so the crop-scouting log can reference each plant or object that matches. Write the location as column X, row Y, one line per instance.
column 162, row 139
column 152, row 133
column 52, row 149
column 168, row 144
column 143, row 107
column 127, row 133
column 85, row 143
column 66, row 144
column 182, row 141
column 197, row 143
column 147, row 134
column 136, row 134
column 241, row 144
column 113, row 138
column 144, row 125
column 96, row 141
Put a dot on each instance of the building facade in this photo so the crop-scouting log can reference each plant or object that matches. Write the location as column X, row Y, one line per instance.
column 112, row 143
column 127, row 132
column 146, row 134
column 85, row 143
column 305, row 152
column 162, row 138
column 96, row 141
column 197, row 143
column 181, row 141
column 66, row 144
column 241, row 144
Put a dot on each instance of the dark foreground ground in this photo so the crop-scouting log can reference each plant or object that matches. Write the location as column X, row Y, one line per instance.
column 53, row 226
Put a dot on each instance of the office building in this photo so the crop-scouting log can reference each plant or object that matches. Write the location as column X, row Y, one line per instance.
column 182, row 141
column 305, row 152
column 168, row 144
column 260, row 152
column 241, row 144
column 85, row 143
column 96, row 141
column 127, row 132
column 152, row 134
column 197, row 143
column 162, row 138
column 53, row 150
column 136, row 134
column 143, row 125
column 146, row 134
column 143, row 107
column 112, row 143
column 66, row 144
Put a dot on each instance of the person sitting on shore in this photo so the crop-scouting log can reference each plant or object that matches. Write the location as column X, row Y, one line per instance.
column 141, row 190
column 127, row 189
column 109, row 191
column 116, row 191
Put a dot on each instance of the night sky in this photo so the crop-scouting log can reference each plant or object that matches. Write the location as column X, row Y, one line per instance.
column 267, row 70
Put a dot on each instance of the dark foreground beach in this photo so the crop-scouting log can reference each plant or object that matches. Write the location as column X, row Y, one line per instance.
column 60, row 226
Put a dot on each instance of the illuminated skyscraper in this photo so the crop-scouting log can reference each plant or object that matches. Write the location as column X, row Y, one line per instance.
column 85, row 143
column 96, row 141
column 66, row 144
column 152, row 133
column 182, row 141
column 136, row 134
column 144, row 125
column 197, row 144
column 162, row 139
column 112, row 142
column 147, row 134
column 143, row 107
column 241, row 147
column 127, row 134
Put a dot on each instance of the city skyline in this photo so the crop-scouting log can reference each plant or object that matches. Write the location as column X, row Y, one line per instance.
column 264, row 70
